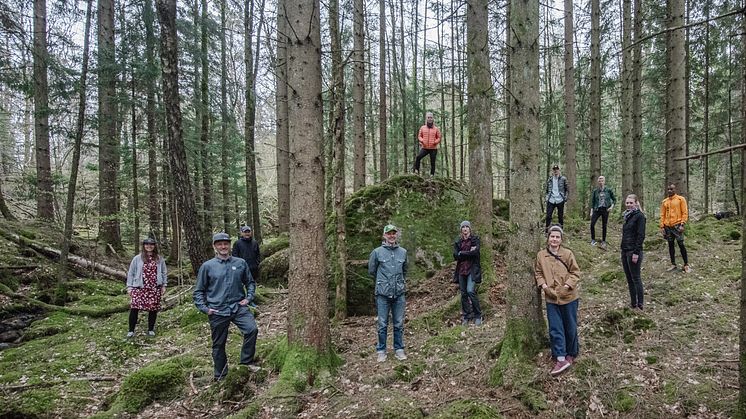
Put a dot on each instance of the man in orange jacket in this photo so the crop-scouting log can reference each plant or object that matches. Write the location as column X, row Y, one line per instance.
column 429, row 137
column 674, row 215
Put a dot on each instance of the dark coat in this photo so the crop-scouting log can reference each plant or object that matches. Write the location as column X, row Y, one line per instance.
column 633, row 232
column 471, row 256
column 248, row 250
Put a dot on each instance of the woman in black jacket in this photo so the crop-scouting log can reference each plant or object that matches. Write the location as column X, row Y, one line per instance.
column 633, row 235
column 468, row 273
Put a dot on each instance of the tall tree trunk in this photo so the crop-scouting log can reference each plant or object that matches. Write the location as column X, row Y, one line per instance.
column 225, row 120
column 252, row 62
column 338, row 132
column 281, row 115
column 308, row 322
column 135, row 171
column 197, row 125
column 442, row 88
column 382, row 110
column 675, row 97
column 44, row 192
column 637, row 185
column 570, row 149
column 742, row 323
column 358, row 95
column 506, row 97
column 626, row 98
column 452, row 21
column 205, row 131
column 594, row 107
column 403, row 88
column 194, row 233
column 525, row 325
column 706, row 120
column 108, row 149
column 480, row 116
column 154, row 209
column 77, row 142
column 3, row 205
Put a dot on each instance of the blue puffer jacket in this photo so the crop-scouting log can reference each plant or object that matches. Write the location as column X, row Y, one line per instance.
column 388, row 265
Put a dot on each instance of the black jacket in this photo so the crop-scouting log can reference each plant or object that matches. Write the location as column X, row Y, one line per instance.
column 472, row 256
column 248, row 250
column 633, row 232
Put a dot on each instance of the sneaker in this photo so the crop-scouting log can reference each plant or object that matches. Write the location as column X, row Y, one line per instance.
column 560, row 366
column 672, row 268
column 381, row 356
column 570, row 359
column 252, row 367
column 400, row 355
column 151, row 333
column 603, row 245
column 464, row 322
column 686, row 269
column 130, row 334
column 593, row 242
column 478, row 321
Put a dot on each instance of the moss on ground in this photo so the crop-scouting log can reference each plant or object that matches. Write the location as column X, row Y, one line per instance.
column 474, row 409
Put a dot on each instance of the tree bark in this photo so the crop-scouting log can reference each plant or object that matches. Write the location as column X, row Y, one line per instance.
column 626, row 98
column 308, row 322
column 570, row 149
column 506, row 97
column 479, row 109
column 742, row 323
column 281, row 115
column 195, row 238
column 706, row 117
column 154, row 209
column 3, row 205
column 108, row 149
column 382, row 110
column 675, row 98
column 358, row 96
column 252, row 194
column 44, row 192
column 594, row 108
column 225, row 120
column 205, row 131
column 525, row 326
column 637, row 183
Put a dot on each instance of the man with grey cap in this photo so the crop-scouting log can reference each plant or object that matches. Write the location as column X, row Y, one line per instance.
column 387, row 264
column 468, row 273
column 247, row 249
column 556, row 195
column 223, row 291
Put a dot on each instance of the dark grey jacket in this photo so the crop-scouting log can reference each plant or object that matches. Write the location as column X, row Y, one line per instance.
column 388, row 265
column 561, row 185
column 222, row 284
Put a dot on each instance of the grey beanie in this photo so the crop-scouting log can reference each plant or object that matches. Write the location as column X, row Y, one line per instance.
column 465, row 224
column 556, row 227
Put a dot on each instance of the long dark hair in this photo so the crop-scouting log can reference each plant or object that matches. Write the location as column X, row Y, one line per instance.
column 143, row 254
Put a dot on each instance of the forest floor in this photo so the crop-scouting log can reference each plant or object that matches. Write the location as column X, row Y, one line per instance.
column 677, row 358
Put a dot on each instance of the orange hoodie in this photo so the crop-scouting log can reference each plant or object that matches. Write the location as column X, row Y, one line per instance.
column 674, row 211
column 429, row 137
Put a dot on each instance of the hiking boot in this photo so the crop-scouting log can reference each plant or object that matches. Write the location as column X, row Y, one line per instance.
column 686, row 269
column 151, row 333
column 478, row 321
column 381, row 356
column 400, row 355
column 672, row 268
column 130, row 334
column 593, row 242
column 559, row 367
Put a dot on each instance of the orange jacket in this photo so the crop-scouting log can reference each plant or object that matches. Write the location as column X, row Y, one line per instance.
column 429, row 137
column 674, row 211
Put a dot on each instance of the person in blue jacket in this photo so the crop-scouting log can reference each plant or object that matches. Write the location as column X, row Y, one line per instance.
column 388, row 265
column 223, row 291
column 468, row 273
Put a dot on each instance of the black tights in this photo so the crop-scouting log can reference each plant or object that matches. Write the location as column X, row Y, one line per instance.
column 151, row 319
column 672, row 251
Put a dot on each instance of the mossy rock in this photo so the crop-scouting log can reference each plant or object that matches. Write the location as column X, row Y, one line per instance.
column 270, row 247
column 273, row 271
column 611, row 276
column 160, row 380
column 428, row 213
column 474, row 409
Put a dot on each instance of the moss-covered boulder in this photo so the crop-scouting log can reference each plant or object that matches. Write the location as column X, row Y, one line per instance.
column 427, row 212
column 271, row 246
column 273, row 271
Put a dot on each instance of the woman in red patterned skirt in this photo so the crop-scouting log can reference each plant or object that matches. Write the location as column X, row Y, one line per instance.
column 146, row 284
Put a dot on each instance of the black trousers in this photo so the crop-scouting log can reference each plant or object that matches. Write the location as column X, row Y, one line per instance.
column 602, row 212
column 560, row 213
column 152, row 315
column 423, row 152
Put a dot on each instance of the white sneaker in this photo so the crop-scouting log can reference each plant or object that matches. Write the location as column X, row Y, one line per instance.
column 400, row 355
column 130, row 334
column 381, row 356
column 151, row 333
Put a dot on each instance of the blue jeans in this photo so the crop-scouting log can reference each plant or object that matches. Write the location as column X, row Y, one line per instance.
column 245, row 322
column 396, row 306
column 634, row 282
column 563, row 328
column 469, row 296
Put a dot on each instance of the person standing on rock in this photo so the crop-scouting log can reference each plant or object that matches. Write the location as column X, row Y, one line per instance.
column 146, row 284
column 633, row 235
column 429, row 138
column 387, row 264
column 223, row 291
column 468, row 273
column 247, row 249
column 557, row 273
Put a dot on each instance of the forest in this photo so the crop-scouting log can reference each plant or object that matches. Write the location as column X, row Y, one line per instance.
column 130, row 120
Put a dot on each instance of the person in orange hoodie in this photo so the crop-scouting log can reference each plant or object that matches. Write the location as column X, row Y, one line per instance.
column 429, row 137
column 674, row 215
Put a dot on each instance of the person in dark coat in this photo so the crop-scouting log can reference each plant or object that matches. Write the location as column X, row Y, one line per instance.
column 633, row 236
column 247, row 249
column 468, row 273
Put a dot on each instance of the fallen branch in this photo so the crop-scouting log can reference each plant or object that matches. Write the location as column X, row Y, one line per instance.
column 69, row 310
column 722, row 150
column 55, row 383
column 55, row 254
